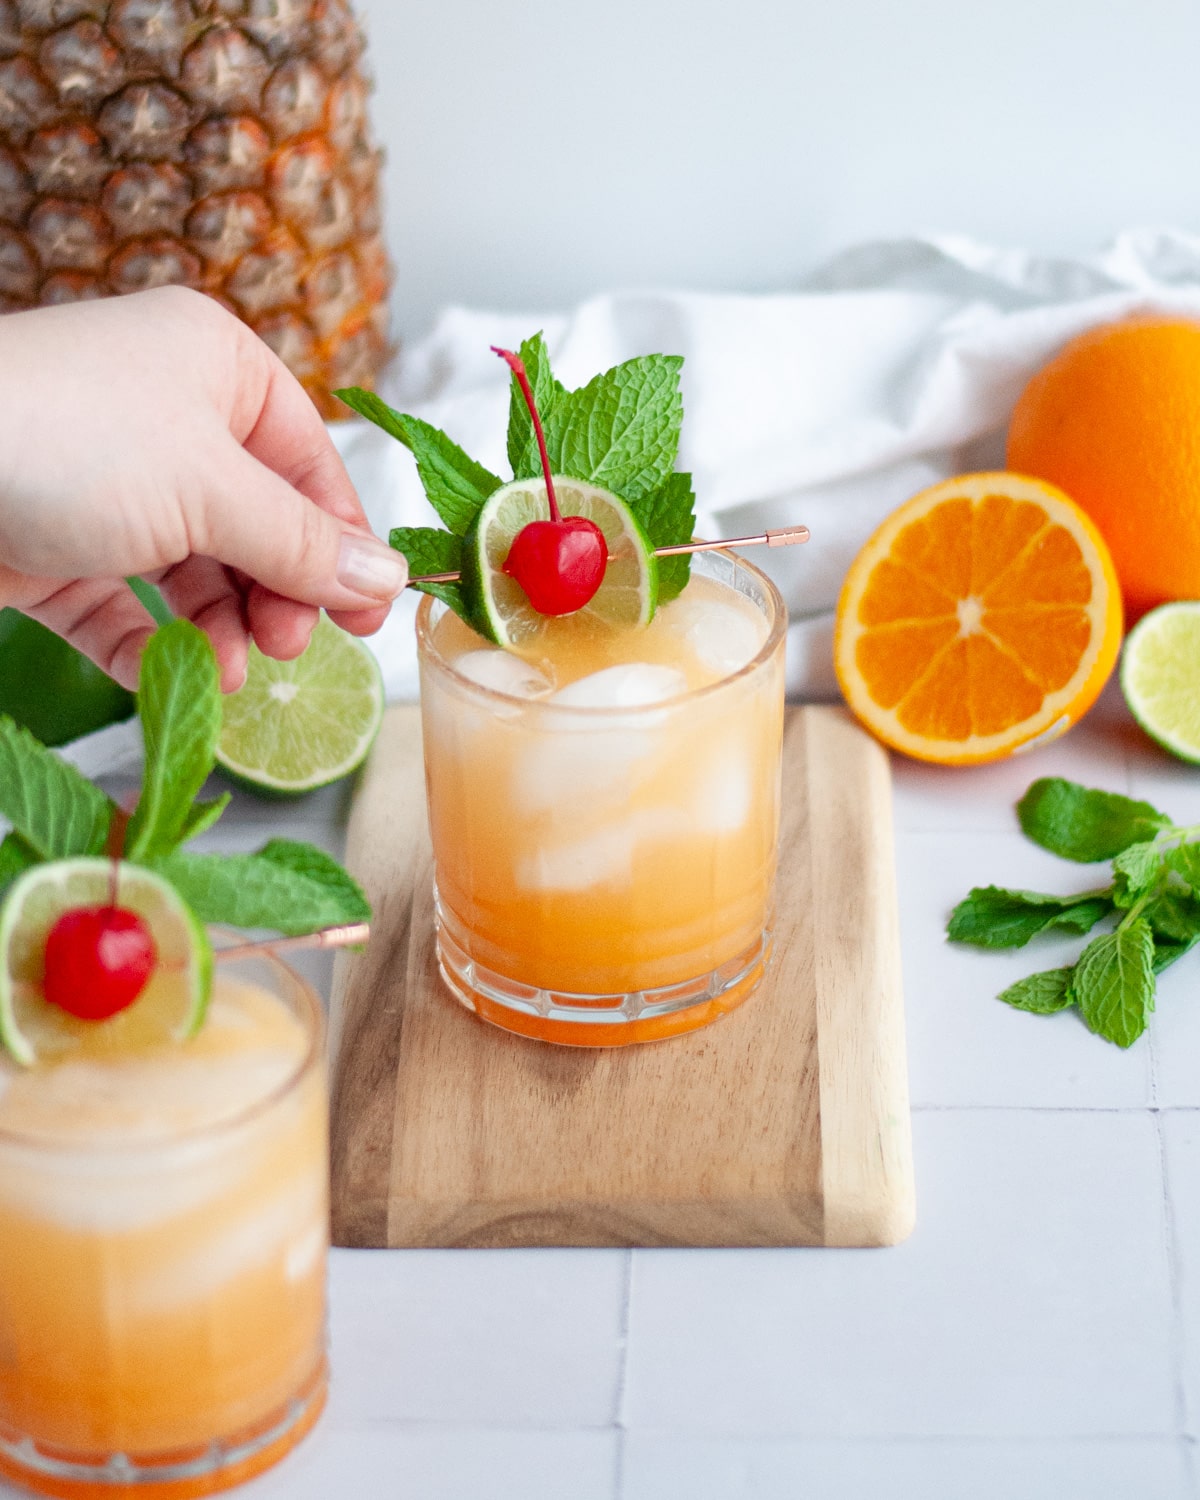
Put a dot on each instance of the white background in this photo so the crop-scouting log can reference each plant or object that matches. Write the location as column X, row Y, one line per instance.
column 542, row 150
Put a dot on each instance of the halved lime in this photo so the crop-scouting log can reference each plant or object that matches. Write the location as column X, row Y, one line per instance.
column 172, row 1005
column 500, row 609
column 296, row 725
column 1160, row 676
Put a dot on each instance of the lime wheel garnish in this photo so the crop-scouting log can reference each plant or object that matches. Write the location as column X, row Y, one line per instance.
column 296, row 725
column 501, row 607
column 171, row 1000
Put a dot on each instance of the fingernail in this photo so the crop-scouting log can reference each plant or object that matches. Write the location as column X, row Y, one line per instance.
column 371, row 567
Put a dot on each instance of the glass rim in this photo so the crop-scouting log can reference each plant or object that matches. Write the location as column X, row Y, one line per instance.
column 427, row 652
column 313, row 1018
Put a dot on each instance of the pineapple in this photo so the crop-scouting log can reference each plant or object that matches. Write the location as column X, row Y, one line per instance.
column 220, row 144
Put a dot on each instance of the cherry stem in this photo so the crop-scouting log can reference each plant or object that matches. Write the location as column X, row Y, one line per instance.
column 517, row 365
column 114, row 847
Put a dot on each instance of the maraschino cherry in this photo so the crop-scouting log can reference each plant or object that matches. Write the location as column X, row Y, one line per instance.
column 559, row 563
column 99, row 958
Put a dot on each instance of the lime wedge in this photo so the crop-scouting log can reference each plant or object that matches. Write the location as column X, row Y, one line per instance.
column 500, row 609
column 1160, row 676
column 170, row 1008
column 296, row 725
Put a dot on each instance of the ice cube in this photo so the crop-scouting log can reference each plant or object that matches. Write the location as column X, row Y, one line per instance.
column 599, row 758
column 631, row 685
column 602, row 857
column 503, row 672
column 722, row 637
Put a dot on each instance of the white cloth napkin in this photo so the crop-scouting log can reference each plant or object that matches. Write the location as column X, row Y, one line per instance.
column 893, row 366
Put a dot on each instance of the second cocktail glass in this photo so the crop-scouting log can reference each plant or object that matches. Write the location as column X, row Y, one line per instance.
column 163, row 1234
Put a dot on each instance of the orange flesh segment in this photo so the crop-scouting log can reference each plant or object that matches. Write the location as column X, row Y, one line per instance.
column 981, row 609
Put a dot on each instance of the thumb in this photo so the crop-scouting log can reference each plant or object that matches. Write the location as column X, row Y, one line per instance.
column 256, row 522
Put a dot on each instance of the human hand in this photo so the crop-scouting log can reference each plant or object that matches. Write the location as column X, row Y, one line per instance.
column 156, row 435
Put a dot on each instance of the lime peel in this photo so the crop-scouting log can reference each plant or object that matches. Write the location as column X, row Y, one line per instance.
column 298, row 725
column 1160, row 676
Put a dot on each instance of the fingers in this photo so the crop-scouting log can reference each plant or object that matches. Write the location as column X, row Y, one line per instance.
column 281, row 628
column 103, row 618
column 289, row 437
column 257, row 522
column 359, row 621
column 202, row 591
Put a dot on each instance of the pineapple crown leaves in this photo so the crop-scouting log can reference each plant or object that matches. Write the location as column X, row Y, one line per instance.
column 57, row 813
column 620, row 431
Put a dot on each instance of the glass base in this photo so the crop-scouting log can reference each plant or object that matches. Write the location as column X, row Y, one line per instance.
column 169, row 1476
column 615, row 1020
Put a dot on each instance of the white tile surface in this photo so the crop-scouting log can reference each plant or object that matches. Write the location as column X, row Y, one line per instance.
column 969, row 799
column 459, row 1463
column 964, row 1046
column 521, row 1338
column 1181, row 1143
column 1171, row 785
column 656, row 1468
column 1175, row 1034
column 1032, row 1300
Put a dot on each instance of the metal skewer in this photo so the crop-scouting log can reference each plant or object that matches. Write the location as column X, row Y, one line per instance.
column 779, row 536
column 327, row 937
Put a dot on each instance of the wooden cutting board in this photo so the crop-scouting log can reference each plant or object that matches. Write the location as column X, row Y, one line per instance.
column 785, row 1123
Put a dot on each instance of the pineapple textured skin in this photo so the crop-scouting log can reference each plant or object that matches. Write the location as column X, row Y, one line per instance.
column 217, row 144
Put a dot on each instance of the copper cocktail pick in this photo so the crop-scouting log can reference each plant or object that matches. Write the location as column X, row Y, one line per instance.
column 326, row 937
column 780, row 536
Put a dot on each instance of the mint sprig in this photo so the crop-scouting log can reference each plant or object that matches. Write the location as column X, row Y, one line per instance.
column 56, row 810
column 620, row 432
column 290, row 887
column 429, row 550
column 1153, row 896
column 522, row 445
column 179, row 701
column 57, row 813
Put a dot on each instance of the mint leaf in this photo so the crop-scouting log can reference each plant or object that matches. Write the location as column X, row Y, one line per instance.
column 202, row 815
column 455, row 485
column 621, row 430
column 56, row 810
column 1135, row 870
column 1185, row 862
column 1114, row 982
column 1080, row 823
column 1043, row 993
column 668, row 516
column 15, row 858
column 1167, row 952
column 522, row 444
column 1174, row 914
column 375, row 409
column 314, row 864
column 179, row 701
column 1174, row 918
column 152, row 599
column 285, row 887
column 991, row 917
column 429, row 550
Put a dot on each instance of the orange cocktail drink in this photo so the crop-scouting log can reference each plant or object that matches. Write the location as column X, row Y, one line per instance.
column 163, row 1235
column 605, row 809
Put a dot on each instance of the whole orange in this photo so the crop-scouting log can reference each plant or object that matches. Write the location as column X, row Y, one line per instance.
column 1114, row 420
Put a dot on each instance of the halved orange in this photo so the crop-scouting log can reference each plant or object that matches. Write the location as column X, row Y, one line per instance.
column 982, row 617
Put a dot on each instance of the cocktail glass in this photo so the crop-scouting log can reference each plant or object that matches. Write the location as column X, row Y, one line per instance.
column 162, row 1290
column 604, row 874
